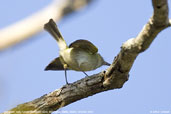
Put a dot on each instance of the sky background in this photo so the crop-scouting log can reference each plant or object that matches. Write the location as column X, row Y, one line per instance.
column 107, row 24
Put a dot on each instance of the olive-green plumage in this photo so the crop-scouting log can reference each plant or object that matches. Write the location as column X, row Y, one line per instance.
column 81, row 55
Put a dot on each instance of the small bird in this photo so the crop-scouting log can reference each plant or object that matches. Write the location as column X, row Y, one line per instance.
column 81, row 55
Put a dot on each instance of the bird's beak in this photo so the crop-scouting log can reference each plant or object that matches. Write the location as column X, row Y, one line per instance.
column 106, row 63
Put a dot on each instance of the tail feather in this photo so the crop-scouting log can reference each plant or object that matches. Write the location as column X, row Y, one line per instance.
column 52, row 28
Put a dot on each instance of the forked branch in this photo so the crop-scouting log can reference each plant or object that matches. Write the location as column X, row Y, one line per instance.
column 114, row 77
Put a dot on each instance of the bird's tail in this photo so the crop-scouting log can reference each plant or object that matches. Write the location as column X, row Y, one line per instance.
column 52, row 28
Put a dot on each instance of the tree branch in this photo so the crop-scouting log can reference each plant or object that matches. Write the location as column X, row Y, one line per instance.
column 33, row 24
column 115, row 76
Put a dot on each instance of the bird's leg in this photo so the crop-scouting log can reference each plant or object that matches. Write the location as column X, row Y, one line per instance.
column 65, row 68
column 85, row 73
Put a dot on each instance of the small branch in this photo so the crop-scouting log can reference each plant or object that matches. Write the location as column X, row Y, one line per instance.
column 33, row 24
column 115, row 76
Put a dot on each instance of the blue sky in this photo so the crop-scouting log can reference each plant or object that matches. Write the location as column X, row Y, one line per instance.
column 107, row 24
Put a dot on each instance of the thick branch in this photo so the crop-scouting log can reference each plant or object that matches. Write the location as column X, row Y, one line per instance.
column 33, row 24
column 115, row 76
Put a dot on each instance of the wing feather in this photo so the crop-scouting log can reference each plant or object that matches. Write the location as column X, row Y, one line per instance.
column 85, row 45
column 55, row 65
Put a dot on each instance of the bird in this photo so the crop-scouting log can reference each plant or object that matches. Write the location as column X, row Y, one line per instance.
column 81, row 55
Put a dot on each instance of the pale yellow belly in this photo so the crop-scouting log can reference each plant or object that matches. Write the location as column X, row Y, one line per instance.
column 79, row 60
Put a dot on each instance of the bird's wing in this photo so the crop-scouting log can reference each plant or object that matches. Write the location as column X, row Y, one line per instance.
column 85, row 45
column 55, row 65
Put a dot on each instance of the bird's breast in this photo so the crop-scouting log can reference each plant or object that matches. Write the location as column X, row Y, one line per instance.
column 79, row 60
